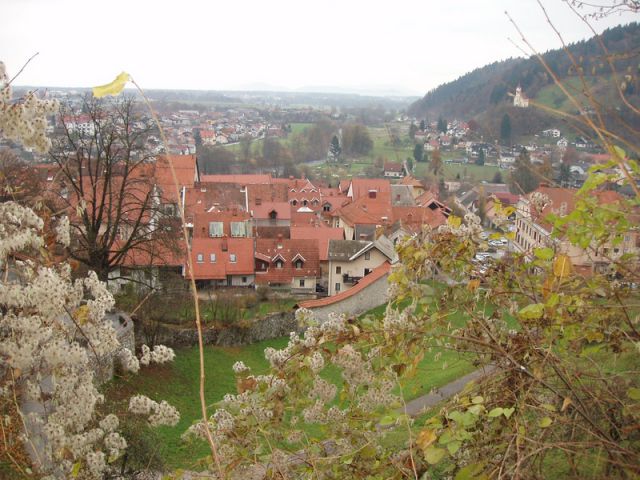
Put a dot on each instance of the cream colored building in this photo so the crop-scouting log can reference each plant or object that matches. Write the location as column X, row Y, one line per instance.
column 351, row 260
column 533, row 231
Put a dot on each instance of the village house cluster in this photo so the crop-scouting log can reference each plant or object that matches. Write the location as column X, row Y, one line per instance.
column 285, row 233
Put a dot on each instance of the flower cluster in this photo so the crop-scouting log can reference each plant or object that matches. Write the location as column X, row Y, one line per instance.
column 25, row 121
column 53, row 330
column 161, row 413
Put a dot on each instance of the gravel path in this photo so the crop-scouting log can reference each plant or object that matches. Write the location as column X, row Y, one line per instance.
column 418, row 405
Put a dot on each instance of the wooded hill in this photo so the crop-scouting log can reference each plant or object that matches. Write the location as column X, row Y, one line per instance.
column 484, row 91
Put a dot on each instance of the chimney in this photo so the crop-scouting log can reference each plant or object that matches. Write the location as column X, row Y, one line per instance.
column 372, row 193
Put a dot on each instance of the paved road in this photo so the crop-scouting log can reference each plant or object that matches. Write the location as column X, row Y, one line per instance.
column 418, row 405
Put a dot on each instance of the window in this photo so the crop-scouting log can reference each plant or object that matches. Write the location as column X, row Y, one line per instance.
column 294, row 202
column 301, row 282
column 238, row 229
column 338, row 270
column 215, row 229
column 233, row 258
column 305, row 203
column 200, row 258
column 212, row 257
column 326, row 207
column 337, row 287
column 244, row 279
column 299, row 264
column 367, row 256
column 279, row 264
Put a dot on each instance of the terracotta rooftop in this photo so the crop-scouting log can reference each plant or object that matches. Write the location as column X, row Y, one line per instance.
column 321, row 233
column 367, row 280
column 287, row 251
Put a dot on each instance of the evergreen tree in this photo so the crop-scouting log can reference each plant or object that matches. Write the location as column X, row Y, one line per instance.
column 412, row 131
column 423, row 125
column 505, row 129
column 523, row 179
column 481, row 157
column 334, row 148
column 442, row 125
column 418, row 152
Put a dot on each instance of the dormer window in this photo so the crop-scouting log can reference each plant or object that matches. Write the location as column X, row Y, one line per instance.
column 273, row 214
column 294, row 202
column 305, row 203
column 299, row 264
column 279, row 264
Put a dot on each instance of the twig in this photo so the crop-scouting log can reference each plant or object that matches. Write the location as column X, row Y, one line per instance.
column 23, row 67
column 194, row 290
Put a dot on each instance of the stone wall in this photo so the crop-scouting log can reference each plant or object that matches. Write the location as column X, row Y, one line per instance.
column 271, row 326
column 372, row 296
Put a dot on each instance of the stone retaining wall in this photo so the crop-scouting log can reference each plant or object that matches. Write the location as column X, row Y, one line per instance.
column 372, row 296
column 273, row 325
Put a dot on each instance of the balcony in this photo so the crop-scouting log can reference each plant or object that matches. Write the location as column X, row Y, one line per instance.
column 349, row 279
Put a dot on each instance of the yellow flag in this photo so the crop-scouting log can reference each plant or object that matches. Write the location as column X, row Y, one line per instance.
column 113, row 88
column 562, row 266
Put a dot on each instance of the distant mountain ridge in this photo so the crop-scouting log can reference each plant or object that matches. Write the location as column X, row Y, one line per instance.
column 484, row 89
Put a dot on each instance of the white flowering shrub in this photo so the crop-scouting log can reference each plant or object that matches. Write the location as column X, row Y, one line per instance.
column 54, row 332
column 24, row 120
column 50, row 328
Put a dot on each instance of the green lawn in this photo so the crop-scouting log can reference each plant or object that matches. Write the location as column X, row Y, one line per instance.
column 178, row 384
column 470, row 172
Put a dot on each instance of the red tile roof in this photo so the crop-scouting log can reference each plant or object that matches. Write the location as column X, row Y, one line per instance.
column 368, row 211
column 201, row 222
column 223, row 248
column 263, row 210
column 418, row 216
column 362, row 186
column 288, row 251
column 239, row 179
column 367, row 280
column 322, row 233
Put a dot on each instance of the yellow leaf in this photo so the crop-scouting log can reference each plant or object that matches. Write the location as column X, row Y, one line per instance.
column 81, row 314
column 473, row 285
column 562, row 266
column 565, row 404
column 545, row 422
column 113, row 88
column 425, row 438
column 454, row 221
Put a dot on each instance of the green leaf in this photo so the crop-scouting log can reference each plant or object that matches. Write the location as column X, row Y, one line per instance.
column 496, row 412
column 476, row 409
column 454, row 446
column 593, row 181
column 478, row 399
column 471, row 472
column 620, row 152
column 633, row 393
column 76, row 469
column 533, row 311
column 545, row 422
column 387, row 420
column 508, row 412
column 548, row 407
column 433, row 454
column 543, row 253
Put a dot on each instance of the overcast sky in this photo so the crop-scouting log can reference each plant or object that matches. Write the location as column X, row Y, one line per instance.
column 401, row 45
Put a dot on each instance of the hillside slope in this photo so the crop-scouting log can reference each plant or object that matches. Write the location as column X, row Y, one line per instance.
column 477, row 93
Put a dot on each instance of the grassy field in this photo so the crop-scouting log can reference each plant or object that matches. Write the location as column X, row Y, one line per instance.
column 600, row 86
column 470, row 172
column 178, row 383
